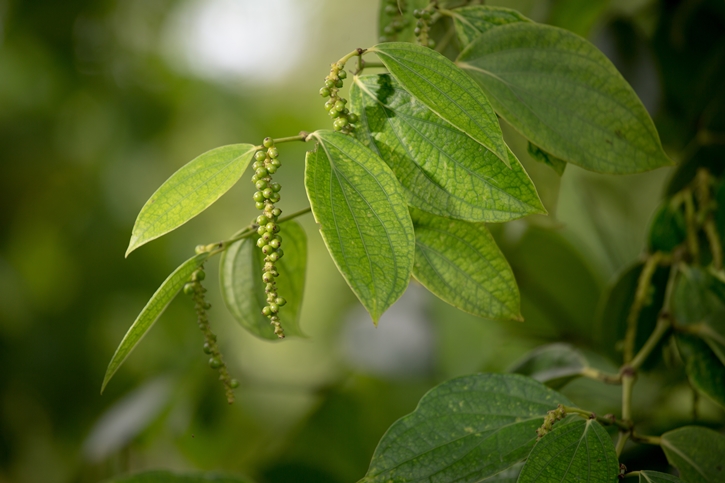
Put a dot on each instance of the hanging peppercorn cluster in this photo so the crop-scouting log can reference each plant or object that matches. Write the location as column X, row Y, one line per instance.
column 396, row 10
column 344, row 120
column 422, row 27
column 551, row 418
column 196, row 291
column 265, row 165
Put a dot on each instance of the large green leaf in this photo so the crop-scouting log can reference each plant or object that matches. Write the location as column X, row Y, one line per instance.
column 705, row 370
column 151, row 312
column 565, row 96
column 443, row 170
column 464, row 430
column 189, row 191
column 581, row 451
column 363, row 217
column 461, row 263
column 161, row 476
column 553, row 364
column 396, row 21
column 697, row 453
column 446, row 90
column 472, row 21
column 656, row 477
column 240, row 278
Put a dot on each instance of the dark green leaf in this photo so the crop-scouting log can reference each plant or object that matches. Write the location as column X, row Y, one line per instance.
column 446, row 90
column 542, row 156
column 472, row 21
column 656, row 477
column 460, row 263
column 151, row 312
column 160, row 476
column 581, row 451
column 668, row 229
column 243, row 290
column 553, row 364
column 189, row 191
column 363, row 217
column 697, row 453
column 565, row 96
column 443, row 171
column 397, row 25
column 464, row 430
column 704, row 369
column 510, row 475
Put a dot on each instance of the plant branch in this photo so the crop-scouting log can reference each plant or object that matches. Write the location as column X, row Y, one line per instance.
column 608, row 420
column 302, row 136
column 641, row 438
column 621, row 441
column 643, row 284
column 597, row 375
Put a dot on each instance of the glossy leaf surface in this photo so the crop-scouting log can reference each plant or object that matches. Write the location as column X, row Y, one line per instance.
column 243, row 290
column 363, row 217
column 461, row 263
column 581, row 451
column 446, row 90
column 553, row 364
column 151, row 312
column 697, row 453
column 472, row 21
column 464, row 430
column 189, row 191
column 565, row 96
column 443, row 170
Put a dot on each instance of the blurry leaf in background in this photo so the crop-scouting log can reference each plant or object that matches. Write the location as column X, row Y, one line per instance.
column 577, row 16
column 704, row 369
column 553, row 364
column 668, row 229
column 396, row 21
column 472, row 21
column 542, row 156
column 696, row 452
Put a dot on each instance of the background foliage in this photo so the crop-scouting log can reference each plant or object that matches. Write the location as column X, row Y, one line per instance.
column 101, row 100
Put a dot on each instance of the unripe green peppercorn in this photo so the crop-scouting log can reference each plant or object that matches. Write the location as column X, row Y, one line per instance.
column 267, row 237
column 268, row 142
column 329, row 83
column 258, row 196
column 262, row 220
column 267, row 192
column 276, row 187
column 273, row 257
column 259, row 205
column 272, row 169
column 234, row 384
column 261, row 231
column 276, row 163
column 325, row 92
column 215, row 363
column 340, row 123
column 274, row 308
column 206, row 348
column 261, row 242
column 261, row 184
column 274, row 243
column 266, row 311
column 338, row 83
column 280, row 253
column 342, row 74
column 260, row 156
column 329, row 104
column 261, row 172
column 272, row 227
column 274, row 198
column 272, row 152
column 189, row 288
column 267, row 277
column 280, row 301
column 276, row 212
column 266, row 249
column 198, row 275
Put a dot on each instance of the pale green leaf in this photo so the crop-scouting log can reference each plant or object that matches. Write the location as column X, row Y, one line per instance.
column 542, row 156
column 580, row 452
column 161, row 476
column 697, row 453
column 240, row 278
column 553, row 364
column 397, row 24
column 473, row 20
column 705, row 370
column 464, row 430
column 189, row 191
column 151, row 312
column 656, row 477
column 443, row 170
column 565, row 96
column 446, row 90
column 363, row 217
column 461, row 263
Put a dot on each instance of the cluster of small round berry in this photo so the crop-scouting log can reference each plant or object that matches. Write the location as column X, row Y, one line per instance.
column 196, row 291
column 265, row 165
column 395, row 9
column 422, row 27
column 344, row 120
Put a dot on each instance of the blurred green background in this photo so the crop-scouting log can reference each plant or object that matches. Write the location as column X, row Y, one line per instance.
column 101, row 100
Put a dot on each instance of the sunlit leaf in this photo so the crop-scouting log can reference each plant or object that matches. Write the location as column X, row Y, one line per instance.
column 243, row 290
column 460, row 263
column 553, row 364
column 565, row 96
column 443, row 170
column 446, row 90
column 189, row 191
column 464, row 430
column 151, row 312
column 363, row 217
column 581, row 451
column 473, row 20
column 697, row 453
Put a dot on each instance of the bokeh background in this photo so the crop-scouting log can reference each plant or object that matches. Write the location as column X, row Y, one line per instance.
column 101, row 100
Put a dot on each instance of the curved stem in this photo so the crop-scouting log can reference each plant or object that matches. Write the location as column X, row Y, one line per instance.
column 607, row 421
column 621, row 441
column 302, row 136
column 643, row 284
column 641, row 438
column 597, row 375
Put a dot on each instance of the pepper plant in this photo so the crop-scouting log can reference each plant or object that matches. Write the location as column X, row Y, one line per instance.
column 406, row 183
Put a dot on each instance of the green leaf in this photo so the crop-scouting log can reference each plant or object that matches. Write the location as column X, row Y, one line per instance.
column 443, row 171
column 553, row 364
column 460, row 263
column 446, row 90
column 542, row 156
column 581, row 451
column 240, row 279
column 657, row 477
column 398, row 25
column 189, row 191
column 705, row 370
column 577, row 16
column 161, row 476
column 464, row 430
column 510, row 475
column 565, row 96
column 668, row 229
column 697, row 453
column 151, row 312
column 363, row 217
column 472, row 21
